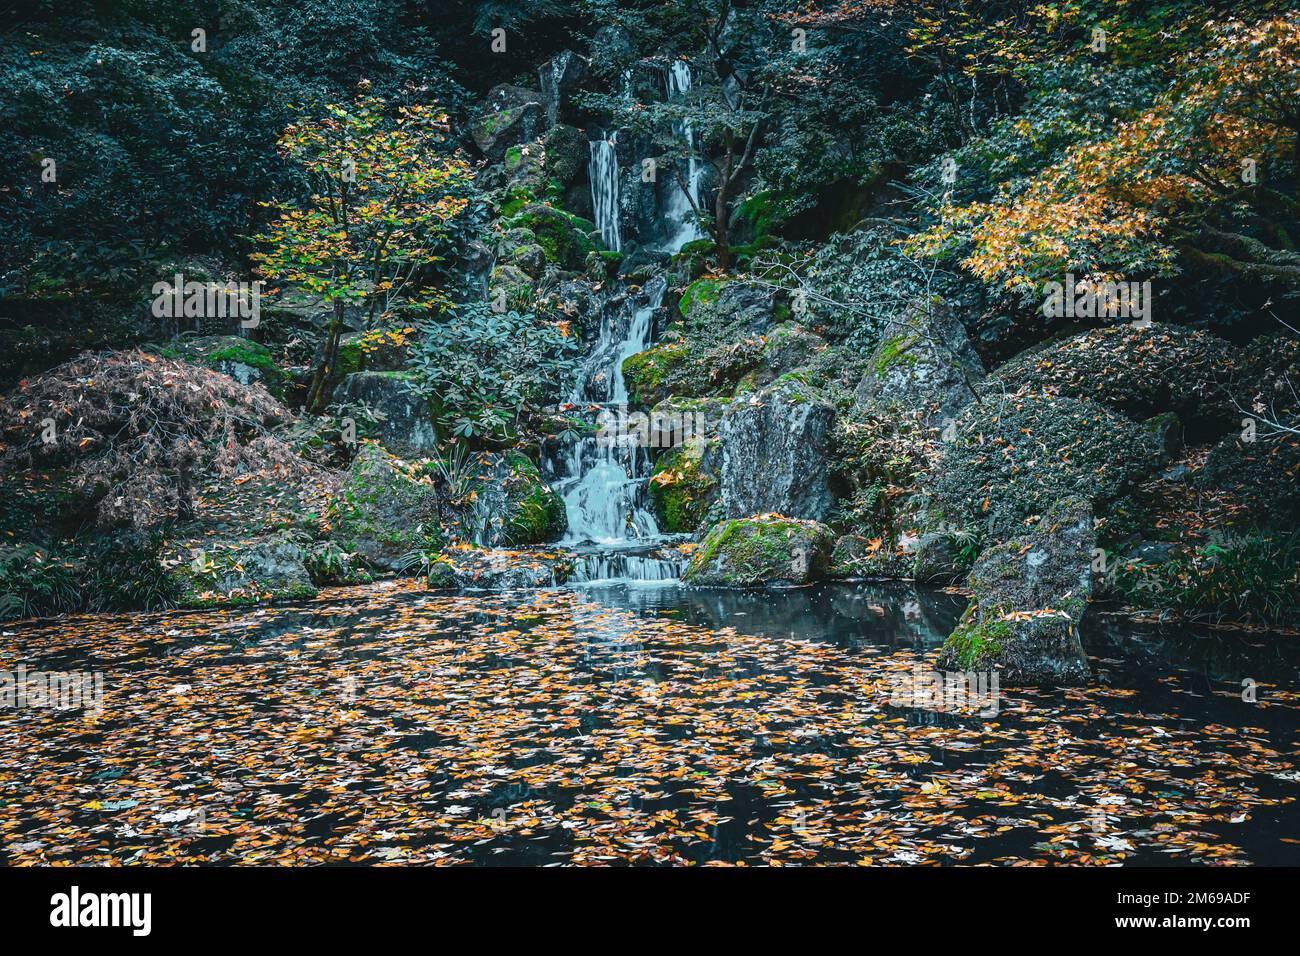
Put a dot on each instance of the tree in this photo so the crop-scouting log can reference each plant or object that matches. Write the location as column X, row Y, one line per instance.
column 382, row 195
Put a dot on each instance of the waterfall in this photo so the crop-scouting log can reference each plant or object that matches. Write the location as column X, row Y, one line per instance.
column 680, row 205
column 603, row 481
column 602, row 170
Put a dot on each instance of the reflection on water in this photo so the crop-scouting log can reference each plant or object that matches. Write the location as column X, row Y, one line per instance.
column 635, row 723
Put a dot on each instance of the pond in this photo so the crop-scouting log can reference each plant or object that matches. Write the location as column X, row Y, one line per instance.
column 642, row 723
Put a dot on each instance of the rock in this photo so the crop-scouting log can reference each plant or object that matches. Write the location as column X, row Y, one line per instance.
column 512, row 505
column 381, row 350
column 510, row 116
column 566, row 154
column 386, row 512
column 531, row 259
column 741, row 308
column 685, row 484
column 566, row 239
column 500, row 570
column 511, row 286
column 1137, row 371
column 932, row 369
column 787, row 348
column 1166, row 433
column 765, row 550
column 934, row 561
column 775, row 453
column 1010, row 460
column 559, row 77
column 214, row 572
column 406, row 427
column 1031, row 593
column 1261, row 476
column 242, row 359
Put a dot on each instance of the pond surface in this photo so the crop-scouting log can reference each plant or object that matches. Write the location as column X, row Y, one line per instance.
column 636, row 723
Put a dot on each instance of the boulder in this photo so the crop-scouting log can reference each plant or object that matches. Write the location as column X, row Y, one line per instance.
column 406, row 427
column 1009, row 460
column 764, row 550
column 684, row 487
column 566, row 239
column 929, row 367
column 787, row 348
column 213, row 572
column 742, row 308
column 559, row 77
column 509, row 116
column 1030, row 595
column 857, row 556
column 775, row 453
column 611, row 51
column 386, row 511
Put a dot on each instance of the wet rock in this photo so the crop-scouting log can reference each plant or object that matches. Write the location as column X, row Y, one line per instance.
column 386, row 512
column 509, row 116
column 500, row 570
column 1031, row 593
column 406, row 427
column 775, row 453
column 765, row 550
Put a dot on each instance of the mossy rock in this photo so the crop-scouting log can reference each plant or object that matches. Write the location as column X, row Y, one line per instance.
column 684, row 485
column 242, row 359
column 701, row 292
column 765, row 550
column 226, row 572
column 512, row 505
column 386, row 511
column 566, row 239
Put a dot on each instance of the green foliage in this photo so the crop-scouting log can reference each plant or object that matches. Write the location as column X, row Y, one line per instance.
column 491, row 371
column 1253, row 578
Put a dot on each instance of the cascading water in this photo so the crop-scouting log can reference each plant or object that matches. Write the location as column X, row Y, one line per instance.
column 602, row 169
column 603, row 479
column 681, row 204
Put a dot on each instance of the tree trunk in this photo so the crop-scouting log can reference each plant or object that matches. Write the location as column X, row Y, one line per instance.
column 320, row 378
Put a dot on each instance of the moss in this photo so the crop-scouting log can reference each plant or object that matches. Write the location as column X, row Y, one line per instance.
column 680, row 491
column 645, row 372
column 700, row 292
column 893, row 351
column 564, row 238
column 757, row 550
column 514, row 155
column 538, row 515
column 977, row 642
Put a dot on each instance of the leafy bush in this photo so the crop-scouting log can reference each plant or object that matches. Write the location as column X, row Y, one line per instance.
column 491, row 371
column 1252, row 578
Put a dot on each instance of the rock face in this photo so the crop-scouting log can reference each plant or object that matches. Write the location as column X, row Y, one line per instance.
column 407, row 427
column 1030, row 596
column 685, row 484
column 385, row 512
column 932, row 369
column 510, row 116
column 512, row 505
column 761, row 551
column 775, row 454
column 558, row 78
